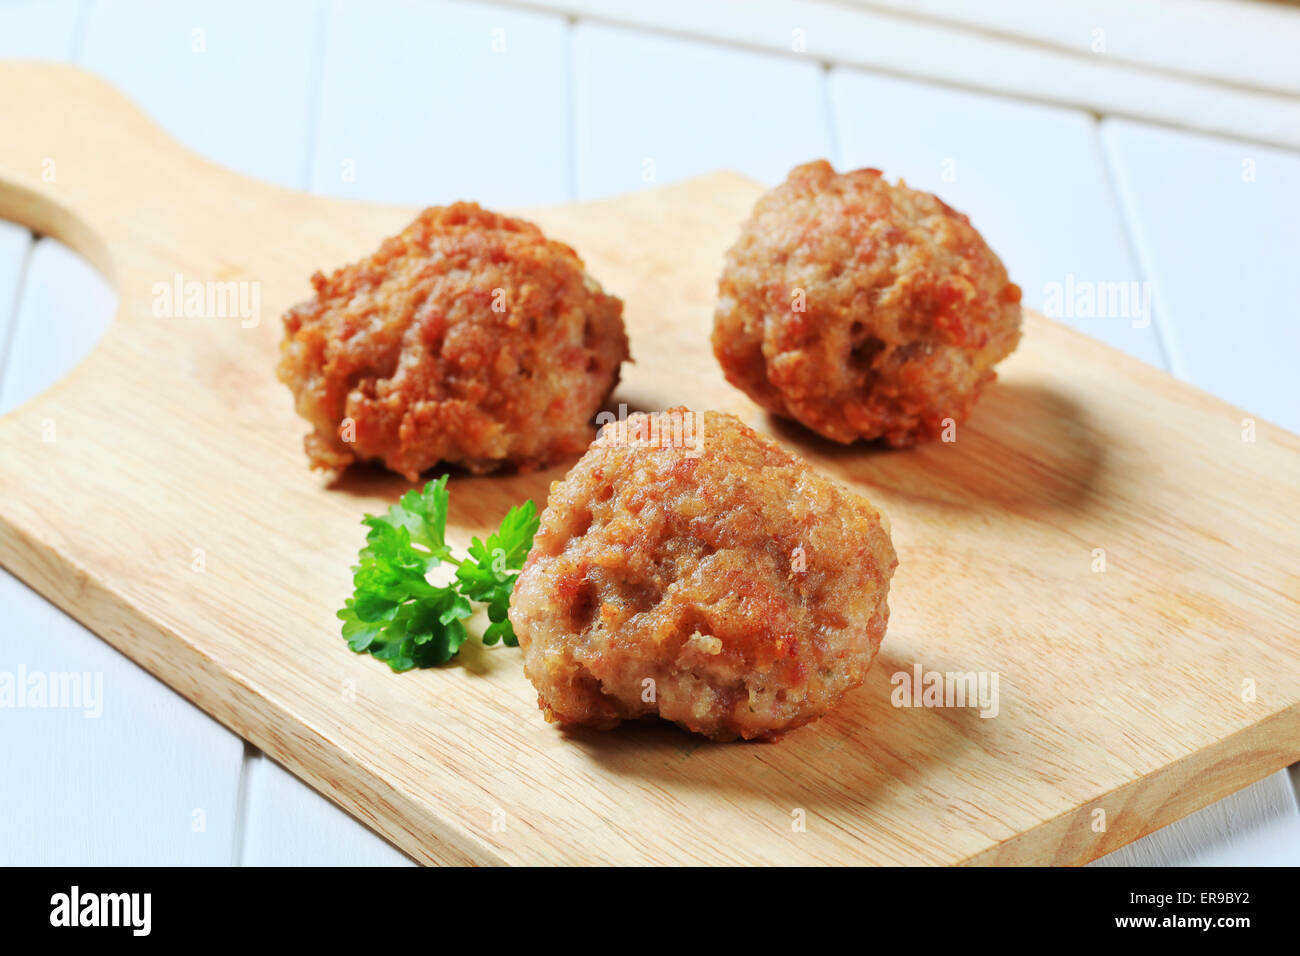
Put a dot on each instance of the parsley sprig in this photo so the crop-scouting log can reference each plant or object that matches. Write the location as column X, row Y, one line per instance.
column 398, row 615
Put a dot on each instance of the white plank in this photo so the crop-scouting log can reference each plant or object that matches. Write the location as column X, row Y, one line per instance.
column 1030, row 177
column 1257, row 826
column 132, row 775
column 39, row 29
column 15, row 243
column 1199, row 37
column 431, row 102
column 1216, row 227
column 832, row 32
column 228, row 78
column 289, row 824
column 653, row 110
column 64, row 309
column 148, row 778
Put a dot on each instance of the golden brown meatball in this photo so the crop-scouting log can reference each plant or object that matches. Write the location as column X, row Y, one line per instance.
column 862, row 309
column 692, row 568
column 468, row 338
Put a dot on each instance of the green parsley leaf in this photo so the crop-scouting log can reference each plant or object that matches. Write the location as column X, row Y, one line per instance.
column 396, row 614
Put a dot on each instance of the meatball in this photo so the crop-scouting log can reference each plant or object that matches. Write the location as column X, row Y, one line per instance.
column 468, row 338
column 689, row 567
column 862, row 310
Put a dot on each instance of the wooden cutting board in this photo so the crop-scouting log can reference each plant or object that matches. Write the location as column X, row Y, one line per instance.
column 160, row 495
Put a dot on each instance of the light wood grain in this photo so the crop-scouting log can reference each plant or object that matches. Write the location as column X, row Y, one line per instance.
column 1118, row 689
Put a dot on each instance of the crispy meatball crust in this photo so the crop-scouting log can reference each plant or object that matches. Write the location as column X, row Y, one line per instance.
column 750, row 590
column 468, row 338
column 861, row 309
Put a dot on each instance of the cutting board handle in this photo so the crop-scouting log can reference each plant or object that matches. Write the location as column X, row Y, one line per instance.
column 79, row 160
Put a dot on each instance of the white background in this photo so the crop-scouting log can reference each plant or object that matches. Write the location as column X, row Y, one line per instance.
column 1167, row 156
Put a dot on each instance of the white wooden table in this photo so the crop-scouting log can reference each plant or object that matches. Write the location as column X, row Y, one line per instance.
column 1069, row 165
